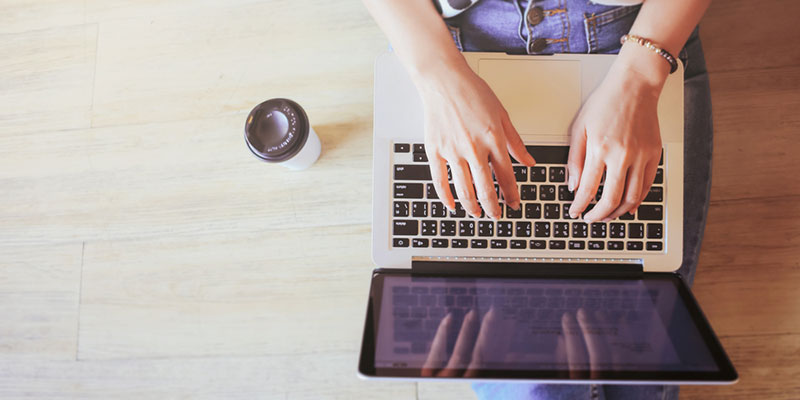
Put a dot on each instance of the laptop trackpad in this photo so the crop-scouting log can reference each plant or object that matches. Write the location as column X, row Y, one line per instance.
column 541, row 96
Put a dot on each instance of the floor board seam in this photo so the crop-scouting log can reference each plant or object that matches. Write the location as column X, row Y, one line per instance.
column 80, row 301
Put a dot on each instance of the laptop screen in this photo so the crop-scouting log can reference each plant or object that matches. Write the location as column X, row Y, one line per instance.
column 539, row 328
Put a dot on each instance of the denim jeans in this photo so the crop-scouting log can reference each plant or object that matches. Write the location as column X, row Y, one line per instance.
column 580, row 26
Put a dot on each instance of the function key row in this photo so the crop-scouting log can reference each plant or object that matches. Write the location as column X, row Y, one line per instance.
column 517, row 244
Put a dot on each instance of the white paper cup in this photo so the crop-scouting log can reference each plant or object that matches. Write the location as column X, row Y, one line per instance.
column 278, row 131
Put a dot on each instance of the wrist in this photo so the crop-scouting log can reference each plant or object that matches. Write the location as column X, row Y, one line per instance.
column 642, row 66
column 434, row 72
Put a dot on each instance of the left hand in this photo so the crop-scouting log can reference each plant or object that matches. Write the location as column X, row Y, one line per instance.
column 616, row 132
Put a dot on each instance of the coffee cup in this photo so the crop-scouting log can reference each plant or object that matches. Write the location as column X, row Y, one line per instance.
column 278, row 131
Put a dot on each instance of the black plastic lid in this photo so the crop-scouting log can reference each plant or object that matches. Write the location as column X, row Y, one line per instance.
column 276, row 130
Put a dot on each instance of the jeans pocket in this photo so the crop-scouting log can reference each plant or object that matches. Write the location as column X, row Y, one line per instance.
column 603, row 30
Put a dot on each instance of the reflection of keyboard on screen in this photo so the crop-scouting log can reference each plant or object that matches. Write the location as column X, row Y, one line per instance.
column 420, row 220
column 417, row 310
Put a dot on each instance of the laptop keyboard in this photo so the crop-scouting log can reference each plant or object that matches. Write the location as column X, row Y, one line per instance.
column 420, row 220
column 417, row 310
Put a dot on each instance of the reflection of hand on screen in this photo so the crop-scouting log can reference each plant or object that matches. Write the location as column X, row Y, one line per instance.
column 586, row 342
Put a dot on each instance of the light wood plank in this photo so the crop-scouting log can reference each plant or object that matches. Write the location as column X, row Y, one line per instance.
column 47, row 82
column 39, row 290
column 308, row 376
column 152, row 69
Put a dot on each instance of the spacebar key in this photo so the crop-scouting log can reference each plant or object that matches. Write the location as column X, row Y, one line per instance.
column 549, row 154
column 404, row 172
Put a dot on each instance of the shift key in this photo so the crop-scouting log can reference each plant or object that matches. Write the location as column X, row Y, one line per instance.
column 405, row 227
column 408, row 190
column 650, row 213
column 405, row 172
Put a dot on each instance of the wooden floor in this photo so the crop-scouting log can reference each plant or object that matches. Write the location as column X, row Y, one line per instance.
column 145, row 254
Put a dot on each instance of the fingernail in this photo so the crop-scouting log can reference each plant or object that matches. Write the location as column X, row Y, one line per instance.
column 572, row 180
column 607, row 220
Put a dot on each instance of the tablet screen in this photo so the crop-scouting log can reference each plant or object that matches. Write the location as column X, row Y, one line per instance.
column 531, row 328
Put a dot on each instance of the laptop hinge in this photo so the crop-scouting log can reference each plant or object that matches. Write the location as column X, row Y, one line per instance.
column 529, row 269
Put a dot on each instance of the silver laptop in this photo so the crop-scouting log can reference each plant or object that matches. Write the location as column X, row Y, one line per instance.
column 535, row 267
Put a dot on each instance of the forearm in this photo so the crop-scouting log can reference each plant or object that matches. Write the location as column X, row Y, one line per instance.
column 667, row 23
column 418, row 35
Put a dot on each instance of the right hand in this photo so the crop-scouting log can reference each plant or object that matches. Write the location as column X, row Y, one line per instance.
column 467, row 127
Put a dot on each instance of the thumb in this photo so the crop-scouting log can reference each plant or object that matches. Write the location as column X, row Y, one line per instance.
column 515, row 145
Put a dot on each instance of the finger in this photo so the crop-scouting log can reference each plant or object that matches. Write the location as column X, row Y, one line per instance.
column 437, row 356
column 505, row 177
column 577, row 359
column 515, row 145
column 438, row 168
column 462, row 178
column 633, row 190
column 649, row 177
column 483, row 343
column 464, row 344
column 577, row 153
column 587, row 187
column 484, row 185
column 612, row 193
column 594, row 335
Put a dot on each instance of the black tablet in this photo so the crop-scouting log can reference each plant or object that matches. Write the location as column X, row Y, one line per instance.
column 581, row 329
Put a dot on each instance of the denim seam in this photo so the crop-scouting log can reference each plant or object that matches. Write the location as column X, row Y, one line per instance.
column 612, row 15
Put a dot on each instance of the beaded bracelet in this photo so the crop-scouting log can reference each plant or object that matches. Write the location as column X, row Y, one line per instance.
column 673, row 63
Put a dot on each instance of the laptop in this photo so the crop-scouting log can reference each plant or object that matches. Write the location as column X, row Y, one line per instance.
column 536, row 295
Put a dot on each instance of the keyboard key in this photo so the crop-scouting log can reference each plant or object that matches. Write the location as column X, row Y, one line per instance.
column 654, row 246
column 626, row 217
column 478, row 243
column 650, row 213
column 538, row 244
column 486, row 228
column 565, row 211
column 533, row 211
column 400, row 208
column 577, row 245
column 552, row 211
column 521, row 173
column 403, row 227
column 635, row 230
column 459, row 211
column 400, row 242
column 504, row 228
column 655, row 195
column 420, row 157
column 654, row 231
column 527, row 192
column 538, row 174
column 499, row 243
column 447, row 228
column 558, row 245
column 402, row 148
column 419, row 242
column 635, row 245
column 549, row 154
column 428, row 228
column 541, row 229
column 615, row 245
column 596, row 245
column 407, row 300
column 546, row 192
column 438, row 210
column 564, row 194
column 523, row 229
column 419, row 148
column 616, row 230
column 439, row 243
column 419, row 209
column 557, row 174
column 430, row 191
column 408, row 190
column 560, row 229
column 518, row 244
column 403, row 172
column 580, row 230
column 466, row 228
column 459, row 243
column 515, row 214
column 598, row 229
column 659, row 176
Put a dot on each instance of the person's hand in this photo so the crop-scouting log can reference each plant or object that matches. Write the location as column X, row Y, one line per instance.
column 467, row 127
column 589, row 328
column 616, row 132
